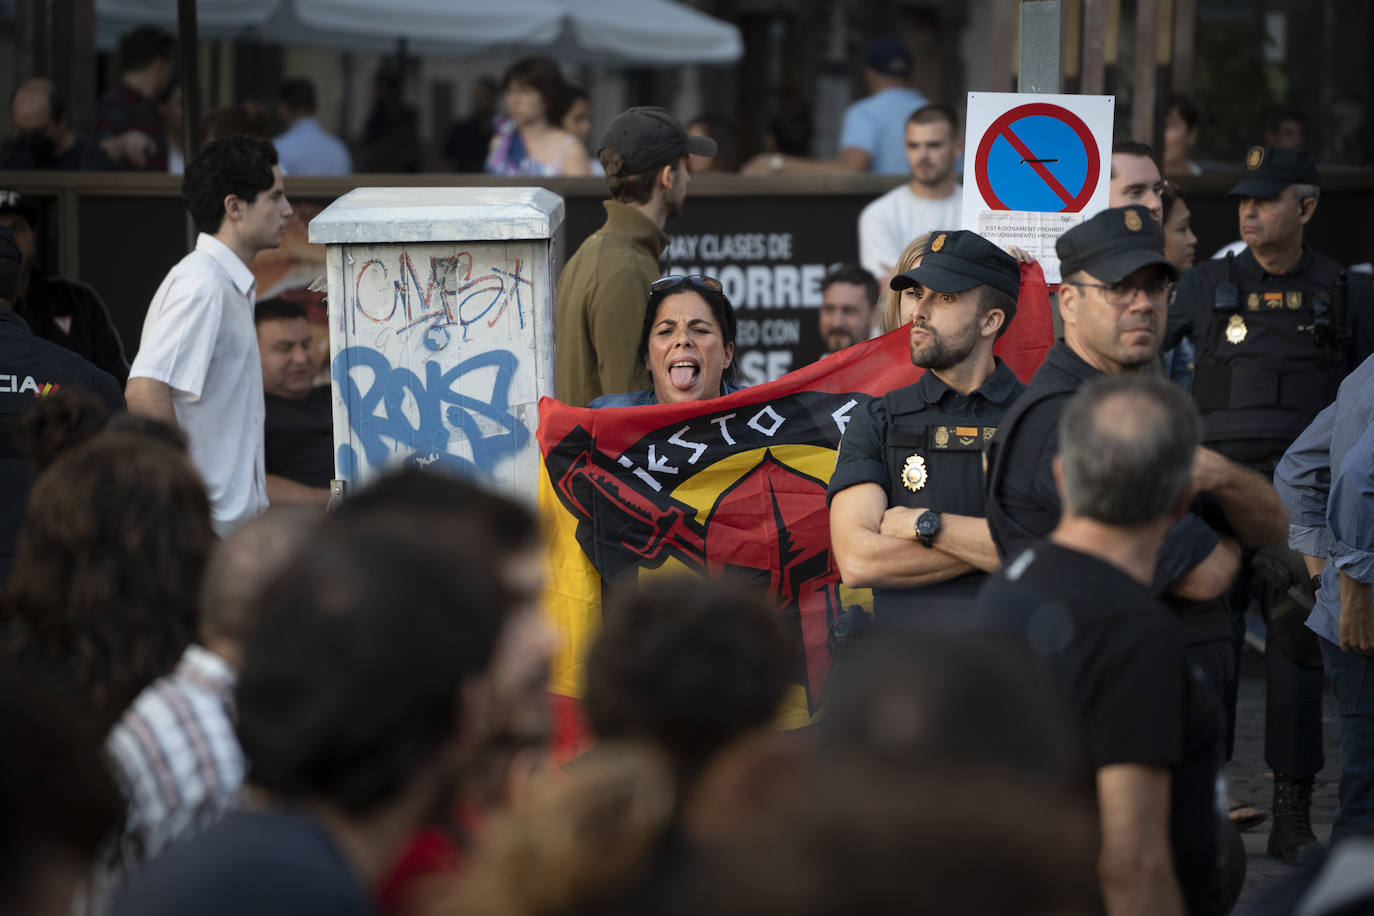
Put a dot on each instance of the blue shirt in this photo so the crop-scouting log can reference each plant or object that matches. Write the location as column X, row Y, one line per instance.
column 1326, row 481
column 877, row 125
column 308, row 149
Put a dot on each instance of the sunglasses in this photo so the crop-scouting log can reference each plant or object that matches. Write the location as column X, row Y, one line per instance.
column 678, row 281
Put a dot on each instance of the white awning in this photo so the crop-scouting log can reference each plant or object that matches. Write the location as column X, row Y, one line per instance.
column 631, row 32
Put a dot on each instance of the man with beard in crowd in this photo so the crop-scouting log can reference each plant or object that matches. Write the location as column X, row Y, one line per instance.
column 848, row 296
column 906, row 498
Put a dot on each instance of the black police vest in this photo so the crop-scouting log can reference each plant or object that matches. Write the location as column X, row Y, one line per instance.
column 935, row 460
column 1272, row 358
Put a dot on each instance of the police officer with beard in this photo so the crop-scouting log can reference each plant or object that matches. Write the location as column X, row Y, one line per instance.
column 1275, row 328
column 906, row 497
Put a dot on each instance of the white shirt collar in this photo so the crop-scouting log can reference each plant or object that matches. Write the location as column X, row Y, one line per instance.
column 224, row 256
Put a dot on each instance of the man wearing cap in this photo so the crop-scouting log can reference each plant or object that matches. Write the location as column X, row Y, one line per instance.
column 30, row 368
column 69, row 314
column 604, row 288
column 906, row 497
column 1113, row 302
column 873, row 134
column 1276, row 327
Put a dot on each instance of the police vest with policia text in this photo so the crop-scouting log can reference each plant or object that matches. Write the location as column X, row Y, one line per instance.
column 1273, row 356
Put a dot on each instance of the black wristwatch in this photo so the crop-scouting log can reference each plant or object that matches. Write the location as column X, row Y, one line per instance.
column 927, row 526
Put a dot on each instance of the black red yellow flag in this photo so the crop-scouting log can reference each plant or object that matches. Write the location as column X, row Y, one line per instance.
column 730, row 485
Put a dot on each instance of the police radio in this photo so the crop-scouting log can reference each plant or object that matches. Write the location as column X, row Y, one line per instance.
column 1340, row 306
column 1331, row 313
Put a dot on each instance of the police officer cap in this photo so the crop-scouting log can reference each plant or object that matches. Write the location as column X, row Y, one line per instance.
column 10, row 260
column 1268, row 171
column 960, row 260
column 1113, row 245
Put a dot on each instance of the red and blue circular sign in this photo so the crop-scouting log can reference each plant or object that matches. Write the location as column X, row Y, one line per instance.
column 1038, row 157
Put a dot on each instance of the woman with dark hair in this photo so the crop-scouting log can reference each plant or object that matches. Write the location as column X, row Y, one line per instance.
column 1180, row 247
column 105, row 591
column 687, row 344
column 533, row 141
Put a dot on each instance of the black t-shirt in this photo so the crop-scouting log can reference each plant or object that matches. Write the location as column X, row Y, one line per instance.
column 72, row 315
column 266, row 863
column 1119, row 656
column 946, row 434
column 1023, row 502
column 299, row 437
column 31, row 368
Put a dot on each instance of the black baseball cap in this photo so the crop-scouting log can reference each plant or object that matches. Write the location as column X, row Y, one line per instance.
column 11, row 261
column 958, row 260
column 648, row 138
column 1268, row 171
column 888, row 56
column 1113, row 245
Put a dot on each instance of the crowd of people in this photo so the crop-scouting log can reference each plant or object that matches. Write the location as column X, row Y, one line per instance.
column 224, row 697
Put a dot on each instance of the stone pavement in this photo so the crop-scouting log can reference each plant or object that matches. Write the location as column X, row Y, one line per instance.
column 1250, row 781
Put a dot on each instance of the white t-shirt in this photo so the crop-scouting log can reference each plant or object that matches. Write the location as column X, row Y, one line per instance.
column 199, row 339
column 888, row 225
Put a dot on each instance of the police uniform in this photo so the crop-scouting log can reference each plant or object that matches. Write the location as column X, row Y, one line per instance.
column 1272, row 350
column 1023, row 502
column 926, row 443
column 30, row 368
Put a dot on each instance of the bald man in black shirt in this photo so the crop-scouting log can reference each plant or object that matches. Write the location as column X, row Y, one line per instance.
column 1152, row 730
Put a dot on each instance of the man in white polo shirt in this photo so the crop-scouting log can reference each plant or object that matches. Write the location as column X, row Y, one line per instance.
column 197, row 362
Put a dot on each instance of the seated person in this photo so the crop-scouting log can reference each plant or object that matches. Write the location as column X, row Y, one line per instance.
column 687, row 344
column 298, row 446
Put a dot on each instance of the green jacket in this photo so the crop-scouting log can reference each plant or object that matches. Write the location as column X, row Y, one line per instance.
column 600, row 302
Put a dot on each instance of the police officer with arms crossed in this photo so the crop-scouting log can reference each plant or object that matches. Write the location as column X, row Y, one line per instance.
column 1114, row 302
column 906, row 498
column 1272, row 327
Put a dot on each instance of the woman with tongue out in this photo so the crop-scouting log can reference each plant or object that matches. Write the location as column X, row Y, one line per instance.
column 687, row 344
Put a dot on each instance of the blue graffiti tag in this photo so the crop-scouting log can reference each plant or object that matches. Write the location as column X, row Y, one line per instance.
column 426, row 441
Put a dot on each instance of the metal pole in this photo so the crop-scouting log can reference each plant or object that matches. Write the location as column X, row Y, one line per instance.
column 188, row 47
column 1040, row 58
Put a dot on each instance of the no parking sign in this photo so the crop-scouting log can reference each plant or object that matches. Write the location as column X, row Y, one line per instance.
column 1039, row 165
